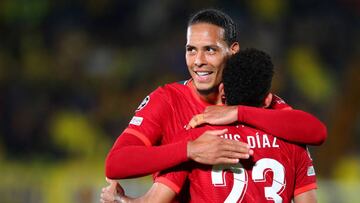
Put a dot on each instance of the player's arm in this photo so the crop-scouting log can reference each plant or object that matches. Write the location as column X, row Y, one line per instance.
column 130, row 157
column 305, row 177
column 158, row 193
column 166, row 186
column 306, row 197
column 281, row 121
column 133, row 153
column 291, row 125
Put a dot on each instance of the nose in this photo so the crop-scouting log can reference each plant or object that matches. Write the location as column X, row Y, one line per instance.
column 200, row 59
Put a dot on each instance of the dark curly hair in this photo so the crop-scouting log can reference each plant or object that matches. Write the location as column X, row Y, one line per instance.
column 216, row 17
column 247, row 78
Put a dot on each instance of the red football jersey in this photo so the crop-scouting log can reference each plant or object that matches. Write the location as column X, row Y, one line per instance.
column 164, row 113
column 276, row 172
column 162, row 116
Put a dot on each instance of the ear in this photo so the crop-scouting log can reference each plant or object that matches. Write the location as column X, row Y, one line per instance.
column 221, row 89
column 268, row 100
column 235, row 47
column 222, row 92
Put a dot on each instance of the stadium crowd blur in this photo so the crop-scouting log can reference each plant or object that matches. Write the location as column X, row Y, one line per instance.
column 73, row 72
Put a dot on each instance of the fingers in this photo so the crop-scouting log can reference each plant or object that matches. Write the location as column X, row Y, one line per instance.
column 112, row 186
column 236, row 150
column 229, row 157
column 195, row 121
column 106, row 197
column 109, row 193
column 212, row 148
column 223, row 160
column 234, row 155
column 236, row 146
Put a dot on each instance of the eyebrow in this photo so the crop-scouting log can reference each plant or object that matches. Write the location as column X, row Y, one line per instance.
column 212, row 46
column 206, row 46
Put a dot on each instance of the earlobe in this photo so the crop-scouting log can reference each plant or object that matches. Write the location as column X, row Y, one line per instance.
column 235, row 47
column 268, row 100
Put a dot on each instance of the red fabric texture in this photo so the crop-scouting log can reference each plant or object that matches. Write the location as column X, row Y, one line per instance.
column 144, row 147
column 291, row 125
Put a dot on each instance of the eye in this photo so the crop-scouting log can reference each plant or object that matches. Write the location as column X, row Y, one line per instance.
column 211, row 50
column 190, row 50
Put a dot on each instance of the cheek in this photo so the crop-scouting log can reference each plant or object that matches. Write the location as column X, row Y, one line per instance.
column 218, row 62
column 220, row 69
column 188, row 60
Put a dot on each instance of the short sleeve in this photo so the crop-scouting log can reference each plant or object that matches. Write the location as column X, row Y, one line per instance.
column 175, row 177
column 305, row 171
column 150, row 117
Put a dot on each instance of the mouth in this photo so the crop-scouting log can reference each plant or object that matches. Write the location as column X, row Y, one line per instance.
column 203, row 76
column 203, row 73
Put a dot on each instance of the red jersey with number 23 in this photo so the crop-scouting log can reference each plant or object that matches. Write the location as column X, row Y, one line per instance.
column 276, row 172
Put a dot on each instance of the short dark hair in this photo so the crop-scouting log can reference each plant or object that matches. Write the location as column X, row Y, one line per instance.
column 216, row 17
column 247, row 78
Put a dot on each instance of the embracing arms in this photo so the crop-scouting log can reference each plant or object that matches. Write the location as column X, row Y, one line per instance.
column 129, row 157
column 292, row 125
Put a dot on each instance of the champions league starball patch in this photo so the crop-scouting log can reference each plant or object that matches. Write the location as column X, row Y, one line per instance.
column 143, row 103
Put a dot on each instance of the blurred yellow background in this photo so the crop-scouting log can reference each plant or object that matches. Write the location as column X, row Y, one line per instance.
column 73, row 72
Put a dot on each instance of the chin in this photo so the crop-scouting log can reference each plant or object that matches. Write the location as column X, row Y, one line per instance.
column 204, row 90
column 203, row 87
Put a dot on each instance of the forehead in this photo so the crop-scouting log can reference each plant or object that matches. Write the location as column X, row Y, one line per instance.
column 205, row 33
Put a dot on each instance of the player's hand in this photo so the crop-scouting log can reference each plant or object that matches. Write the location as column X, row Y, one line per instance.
column 215, row 115
column 112, row 193
column 211, row 149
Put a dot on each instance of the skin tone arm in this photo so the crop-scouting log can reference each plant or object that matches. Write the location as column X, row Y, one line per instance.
column 214, row 115
column 306, row 197
column 301, row 127
column 210, row 149
column 158, row 193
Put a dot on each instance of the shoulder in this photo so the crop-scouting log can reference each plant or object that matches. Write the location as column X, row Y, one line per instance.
column 167, row 88
column 174, row 89
column 172, row 86
column 176, row 85
column 158, row 97
column 168, row 91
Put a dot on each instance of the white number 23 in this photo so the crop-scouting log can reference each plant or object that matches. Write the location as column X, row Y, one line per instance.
column 260, row 168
